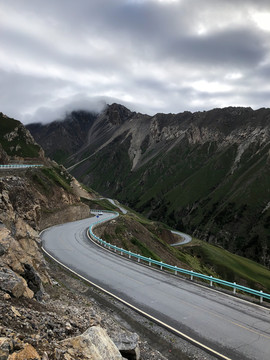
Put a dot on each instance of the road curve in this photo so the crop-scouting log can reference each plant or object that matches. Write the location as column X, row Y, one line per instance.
column 185, row 238
column 232, row 327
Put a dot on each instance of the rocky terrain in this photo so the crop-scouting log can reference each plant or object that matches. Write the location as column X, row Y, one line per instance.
column 65, row 325
column 44, row 312
column 205, row 173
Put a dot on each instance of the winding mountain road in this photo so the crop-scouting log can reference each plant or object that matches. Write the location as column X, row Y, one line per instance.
column 185, row 238
column 232, row 328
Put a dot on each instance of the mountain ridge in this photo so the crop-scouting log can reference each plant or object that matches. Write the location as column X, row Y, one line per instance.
column 204, row 172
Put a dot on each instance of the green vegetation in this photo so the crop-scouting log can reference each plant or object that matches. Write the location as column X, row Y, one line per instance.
column 102, row 204
column 143, row 250
column 117, row 162
column 42, row 182
column 7, row 124
column 226, row 265
column 60, row 156
column 57, row 176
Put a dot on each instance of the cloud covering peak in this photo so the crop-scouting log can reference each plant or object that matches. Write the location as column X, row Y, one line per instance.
column 154, row 55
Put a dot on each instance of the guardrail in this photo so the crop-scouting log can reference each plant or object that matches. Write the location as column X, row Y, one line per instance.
column 19, row 166
column 262, row 295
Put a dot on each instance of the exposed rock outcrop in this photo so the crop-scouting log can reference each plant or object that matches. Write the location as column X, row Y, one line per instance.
column 14, row 284
column 18, row 257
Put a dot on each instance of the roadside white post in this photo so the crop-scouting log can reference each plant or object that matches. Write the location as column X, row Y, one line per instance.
column 191, row 275
column 129, row 255
column 138, row 258
column 211, row 281
column 121, row 252
column 149, row 262
column 161, row 266
column 234, row 288
column 175, row 271
column 261, row 297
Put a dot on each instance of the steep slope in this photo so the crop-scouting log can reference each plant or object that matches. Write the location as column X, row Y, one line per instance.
column 206, row 173
column 30, row 200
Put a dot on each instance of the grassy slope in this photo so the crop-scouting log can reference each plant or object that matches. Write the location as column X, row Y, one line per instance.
column 228, row 266
column 46, row 178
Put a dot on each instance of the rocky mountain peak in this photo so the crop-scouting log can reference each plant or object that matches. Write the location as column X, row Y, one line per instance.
column 17, row 142
column 117, row 114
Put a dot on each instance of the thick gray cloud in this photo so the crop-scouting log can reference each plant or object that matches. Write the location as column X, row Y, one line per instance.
column 151, row 55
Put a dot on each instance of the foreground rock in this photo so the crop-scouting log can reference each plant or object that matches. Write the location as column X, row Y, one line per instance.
column 27, row 353
column 93, row 344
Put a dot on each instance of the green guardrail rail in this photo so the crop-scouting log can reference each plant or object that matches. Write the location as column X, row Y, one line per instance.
column 262, row 295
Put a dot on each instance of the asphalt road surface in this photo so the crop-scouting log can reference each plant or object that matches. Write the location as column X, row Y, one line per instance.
column 230, row 326
column 185, row 238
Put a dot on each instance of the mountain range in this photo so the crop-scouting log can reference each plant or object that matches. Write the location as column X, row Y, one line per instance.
column 206, row 173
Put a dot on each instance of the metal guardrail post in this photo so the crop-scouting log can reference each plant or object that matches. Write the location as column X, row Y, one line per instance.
column 121, row 252
column 161, row 265
column 175, row 271
column 211, row 281
column 234, row 288
column 261, row 297
column 149, row 262
column 129, row 254
column 191, row 275
column 138, row 258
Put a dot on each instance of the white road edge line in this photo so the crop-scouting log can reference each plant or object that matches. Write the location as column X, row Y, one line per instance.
column 190, row 339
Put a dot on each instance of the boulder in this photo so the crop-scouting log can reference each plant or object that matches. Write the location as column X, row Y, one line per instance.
column 128, row 344
column 27, row 353
column 94, row 344
column 14, row 284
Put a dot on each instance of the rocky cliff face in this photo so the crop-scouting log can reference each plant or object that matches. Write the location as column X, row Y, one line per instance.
column 30, row 200
column 26, row 207
column 205, row 172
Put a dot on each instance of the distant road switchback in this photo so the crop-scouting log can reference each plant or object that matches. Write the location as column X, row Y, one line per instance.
column 228, row 327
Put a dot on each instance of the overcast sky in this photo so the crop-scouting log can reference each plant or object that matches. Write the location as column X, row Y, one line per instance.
column 150, row 55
